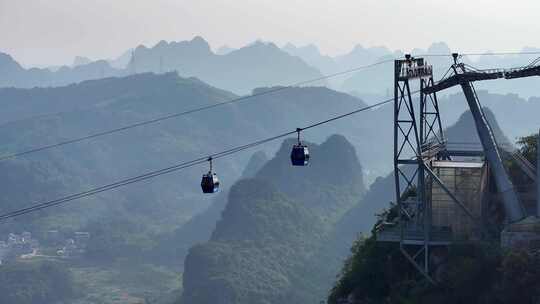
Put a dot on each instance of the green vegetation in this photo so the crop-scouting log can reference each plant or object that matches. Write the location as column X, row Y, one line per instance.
column 35, row 283
column 256, row 264
column 280, row 235
column 373, row 273
column 471, row 273
column 528, row 146
column 142, row 223
column 271, row 244
column 122, row 283
column 94, row 106
column 118, row 238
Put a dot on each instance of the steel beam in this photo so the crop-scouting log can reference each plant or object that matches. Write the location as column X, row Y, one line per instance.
column 409, row 137
column 512, row 206
column 523, row 72
column 415, row 264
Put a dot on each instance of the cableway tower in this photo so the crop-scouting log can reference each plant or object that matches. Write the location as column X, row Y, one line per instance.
column 443, row 190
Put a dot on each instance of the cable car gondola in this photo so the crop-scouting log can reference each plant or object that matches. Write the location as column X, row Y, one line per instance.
column 299, row 153
column 210, row 181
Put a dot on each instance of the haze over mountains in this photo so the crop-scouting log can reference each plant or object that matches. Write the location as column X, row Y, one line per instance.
column 275, row 233
column 258, row 64
column 119, row 101
column 140, row 222
column 37, row 117
column 262, row 64
column 247, row 259
column 239, row 71
column 268, row 245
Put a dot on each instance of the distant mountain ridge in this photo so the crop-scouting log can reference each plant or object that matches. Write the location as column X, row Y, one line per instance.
column 42, row 116
column 379, row 80
column 20, row 104
column 12, row 74
column 240, row 71
column 262, row 64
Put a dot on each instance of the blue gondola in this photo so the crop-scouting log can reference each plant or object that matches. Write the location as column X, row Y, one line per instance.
column 299, row 153
column 210, row 181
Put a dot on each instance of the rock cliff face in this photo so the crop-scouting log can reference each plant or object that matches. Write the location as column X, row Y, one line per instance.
column 269, row 245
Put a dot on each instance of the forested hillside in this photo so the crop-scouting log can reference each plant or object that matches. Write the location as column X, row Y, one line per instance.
column 245, row 152
column 466, row 272
column 268, row 246
column 139, row 221
column 158, row 221
column 174, row 246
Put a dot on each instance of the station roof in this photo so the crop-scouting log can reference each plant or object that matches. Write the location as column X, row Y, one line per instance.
column 457, row 164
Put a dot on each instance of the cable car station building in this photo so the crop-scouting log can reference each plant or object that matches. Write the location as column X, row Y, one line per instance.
column 446, row 192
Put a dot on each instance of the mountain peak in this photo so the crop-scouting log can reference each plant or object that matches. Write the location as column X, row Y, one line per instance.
column 200, row 43
column 141, row 47
column 268, row 44
column 199, row 39
column 7, row 63
column 308, row 48
column 358, row 48
column 290, row 47
column 461, row 130
column 439, row 48
column 334, row 162
column 338, row 140
column 80, row 60
column 161, row 44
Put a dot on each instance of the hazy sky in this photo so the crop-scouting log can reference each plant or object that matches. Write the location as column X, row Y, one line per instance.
column 54, row 31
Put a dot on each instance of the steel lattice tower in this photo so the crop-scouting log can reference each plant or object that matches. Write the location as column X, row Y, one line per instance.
column 413, row 136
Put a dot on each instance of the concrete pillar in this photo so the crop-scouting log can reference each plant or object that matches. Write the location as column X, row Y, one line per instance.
column 514, row 210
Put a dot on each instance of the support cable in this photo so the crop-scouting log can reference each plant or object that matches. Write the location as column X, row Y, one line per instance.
column 177, row 167
column 200, row 109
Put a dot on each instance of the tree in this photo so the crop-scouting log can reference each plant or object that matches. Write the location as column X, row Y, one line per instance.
column 35, row 283
column 528, row 146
